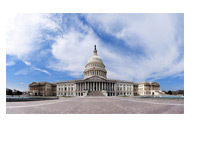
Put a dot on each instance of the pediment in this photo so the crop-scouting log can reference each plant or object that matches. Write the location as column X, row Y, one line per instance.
column 95, row 78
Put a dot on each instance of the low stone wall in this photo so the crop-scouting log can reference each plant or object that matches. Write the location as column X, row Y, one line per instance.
column 161, row 96
column 29, row 98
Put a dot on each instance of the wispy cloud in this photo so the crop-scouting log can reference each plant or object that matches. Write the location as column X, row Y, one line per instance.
column 24, row 71
column 26, row 62
column 28, row 70
column 41, row 70
column 11, row 63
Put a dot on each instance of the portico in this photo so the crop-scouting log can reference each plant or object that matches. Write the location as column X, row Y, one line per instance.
column 95, row 84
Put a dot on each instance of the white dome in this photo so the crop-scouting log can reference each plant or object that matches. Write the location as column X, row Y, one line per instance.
column 95, row 66
column 95, row 58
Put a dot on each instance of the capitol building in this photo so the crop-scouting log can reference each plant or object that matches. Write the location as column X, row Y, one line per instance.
column 94, row 83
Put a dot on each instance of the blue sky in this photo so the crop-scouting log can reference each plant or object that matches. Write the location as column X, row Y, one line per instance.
column 134, row 47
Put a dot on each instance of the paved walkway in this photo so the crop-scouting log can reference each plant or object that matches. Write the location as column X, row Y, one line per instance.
column 98, row 105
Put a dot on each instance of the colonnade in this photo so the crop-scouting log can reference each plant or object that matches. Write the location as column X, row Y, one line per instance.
column 95, row 72
column 95, row 86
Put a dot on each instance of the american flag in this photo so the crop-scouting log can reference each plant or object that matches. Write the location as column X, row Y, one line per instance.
column 93, row 68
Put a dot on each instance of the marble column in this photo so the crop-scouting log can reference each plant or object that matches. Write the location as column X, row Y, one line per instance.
column 106, row 86
column 112, row 87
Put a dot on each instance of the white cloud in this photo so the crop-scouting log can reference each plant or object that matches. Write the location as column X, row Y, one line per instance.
column 41, row 70
column 24, row 34
column 25, row 71
column 72, row 51
column 26, row 62
column 11, row 63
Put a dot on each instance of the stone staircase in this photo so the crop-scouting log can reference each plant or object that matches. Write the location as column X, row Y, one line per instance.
column 160, row 92
column 95, row 93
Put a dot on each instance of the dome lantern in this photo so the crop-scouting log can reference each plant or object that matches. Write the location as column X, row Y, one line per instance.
column 95, row 50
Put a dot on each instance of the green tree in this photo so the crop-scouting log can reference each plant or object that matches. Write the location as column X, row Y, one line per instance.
column 169, row 92
column 17, row 92
column 9, row 91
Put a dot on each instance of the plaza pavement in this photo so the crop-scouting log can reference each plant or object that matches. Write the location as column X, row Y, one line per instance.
column 98, row 105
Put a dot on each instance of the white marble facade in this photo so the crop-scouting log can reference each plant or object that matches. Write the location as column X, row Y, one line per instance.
column 83, row 86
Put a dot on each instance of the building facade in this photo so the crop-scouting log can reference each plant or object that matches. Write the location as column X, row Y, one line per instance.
column 94, row 86
column 42, row 89
column 96, row 83
column 149, row 88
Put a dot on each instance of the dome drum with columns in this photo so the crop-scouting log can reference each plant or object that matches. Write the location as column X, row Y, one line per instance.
column 95, row 67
